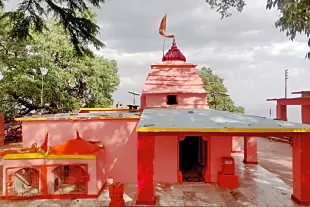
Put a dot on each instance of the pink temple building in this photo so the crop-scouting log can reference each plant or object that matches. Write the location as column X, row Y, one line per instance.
column 172, row 138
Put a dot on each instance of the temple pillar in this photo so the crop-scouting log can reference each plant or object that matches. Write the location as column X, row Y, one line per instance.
column 250, row 150
column 44, row 189
column 206, row 172
column 282, row 112
column 146, row 151
column 1, row 130
column 301, row 170
column 235, row 144
column 305, row 114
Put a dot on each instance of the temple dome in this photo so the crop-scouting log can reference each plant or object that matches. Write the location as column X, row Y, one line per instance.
column 174, row 54
column 77, row 146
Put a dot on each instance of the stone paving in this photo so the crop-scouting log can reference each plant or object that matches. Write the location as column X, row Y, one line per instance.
column 277, row 158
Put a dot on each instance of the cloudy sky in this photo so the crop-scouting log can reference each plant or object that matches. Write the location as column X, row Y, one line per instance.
column 245, row 49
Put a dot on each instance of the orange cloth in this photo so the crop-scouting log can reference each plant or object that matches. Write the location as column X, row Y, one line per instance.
column 45, row 143
column 162, row 27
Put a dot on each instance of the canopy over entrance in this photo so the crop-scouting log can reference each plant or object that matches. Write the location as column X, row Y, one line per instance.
column 213, row 121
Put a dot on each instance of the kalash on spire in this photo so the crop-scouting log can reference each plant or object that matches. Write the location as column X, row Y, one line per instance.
column 173, row 54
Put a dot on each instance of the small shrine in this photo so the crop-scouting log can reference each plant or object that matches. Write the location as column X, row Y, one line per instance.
column 64, row 171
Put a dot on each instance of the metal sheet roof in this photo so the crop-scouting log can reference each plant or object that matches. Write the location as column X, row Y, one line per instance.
column 81, row 116
column 209, row 120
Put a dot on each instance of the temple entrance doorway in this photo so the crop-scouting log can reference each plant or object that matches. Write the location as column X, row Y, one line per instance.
column 192, row 158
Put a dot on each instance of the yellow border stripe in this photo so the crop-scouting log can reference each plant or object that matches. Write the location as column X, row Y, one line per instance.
column 31, row 119
column 72, row 118
column 21, row 156
column 116, row 117
column 103, row 109
column 60, row 157
column 241, row 130
column 18, row 156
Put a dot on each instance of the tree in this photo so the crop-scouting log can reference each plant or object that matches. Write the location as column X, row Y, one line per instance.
column 217, row 92
column 71, row 81
column 32, row 14
column 294, row 14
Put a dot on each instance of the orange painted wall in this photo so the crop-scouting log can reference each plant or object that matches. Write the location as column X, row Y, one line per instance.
column 1, row 176
column 120, row 154
column 118, row 136
column 165, row 161
column 220, row 147
column 101, row 171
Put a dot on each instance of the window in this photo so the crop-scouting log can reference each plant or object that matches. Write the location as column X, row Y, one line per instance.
column 172, row 100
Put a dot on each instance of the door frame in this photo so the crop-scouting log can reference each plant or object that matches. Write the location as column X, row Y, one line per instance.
column 207, row 171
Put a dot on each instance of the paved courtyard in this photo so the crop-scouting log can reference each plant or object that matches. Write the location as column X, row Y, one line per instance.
column 277, row 158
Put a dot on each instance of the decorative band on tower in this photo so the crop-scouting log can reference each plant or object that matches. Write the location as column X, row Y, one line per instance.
column 174, row 54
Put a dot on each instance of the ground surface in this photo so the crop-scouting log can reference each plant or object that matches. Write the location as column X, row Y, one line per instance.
column 276, row 157
column 258, row 186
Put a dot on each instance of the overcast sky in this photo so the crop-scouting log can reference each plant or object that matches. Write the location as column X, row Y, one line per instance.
column 245, row 49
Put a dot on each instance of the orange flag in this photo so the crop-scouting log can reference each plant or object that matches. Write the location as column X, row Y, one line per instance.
column 162, row 28
column 45, row 143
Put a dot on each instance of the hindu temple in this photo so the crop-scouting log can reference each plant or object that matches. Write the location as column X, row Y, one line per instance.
column 172, row 138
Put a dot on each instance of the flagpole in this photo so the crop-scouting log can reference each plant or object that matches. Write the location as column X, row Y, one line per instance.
column 164, row 47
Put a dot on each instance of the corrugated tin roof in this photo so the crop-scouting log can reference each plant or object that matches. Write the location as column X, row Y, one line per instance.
column 155, row 120
column 80, row 116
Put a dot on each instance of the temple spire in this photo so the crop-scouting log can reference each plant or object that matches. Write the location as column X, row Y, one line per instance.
column 174, row 54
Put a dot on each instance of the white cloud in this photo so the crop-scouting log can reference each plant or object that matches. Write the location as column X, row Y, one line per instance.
column 287, row 48
column 245, row 49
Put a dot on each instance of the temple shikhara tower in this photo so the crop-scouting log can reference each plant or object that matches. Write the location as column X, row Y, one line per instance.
column 172, row 139
column 173, row 84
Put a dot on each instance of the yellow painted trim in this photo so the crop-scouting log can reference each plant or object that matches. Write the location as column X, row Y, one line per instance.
column 31, row 119
column 38, row 155
column 19, row 156
column 116, row 117
column 73, row 118
column 234, row 130
column 103, row 109
column 60, row 157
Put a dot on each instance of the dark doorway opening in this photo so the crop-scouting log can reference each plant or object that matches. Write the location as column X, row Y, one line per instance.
column 192, row 158
column 172, row 100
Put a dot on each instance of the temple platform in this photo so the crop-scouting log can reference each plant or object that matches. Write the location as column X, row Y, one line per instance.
column 258, row 187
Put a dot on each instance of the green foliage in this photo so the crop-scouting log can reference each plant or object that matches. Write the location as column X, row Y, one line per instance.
column 71, row 81
column 31, row 15
column 223, row 6
column 294, row 14
column 217, row 97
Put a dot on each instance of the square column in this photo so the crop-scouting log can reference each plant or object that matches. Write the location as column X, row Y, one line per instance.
column 305, row 114
column 43, row 188
column 146, row 151
column 250, row 150
column 282, row 112
column 235, row 145
column 301, row 170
